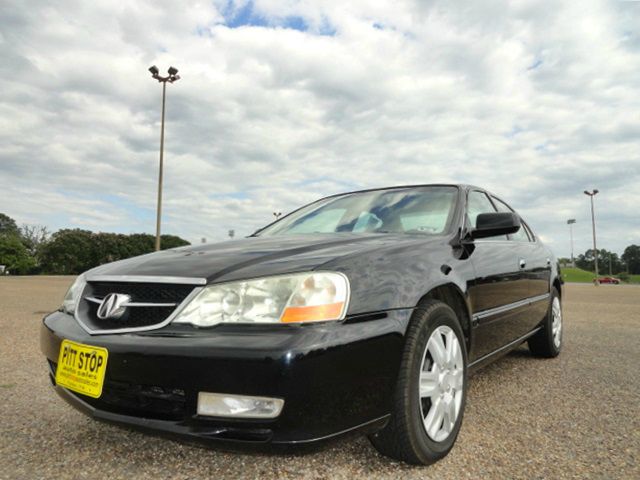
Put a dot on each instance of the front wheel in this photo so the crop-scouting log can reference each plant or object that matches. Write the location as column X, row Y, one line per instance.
column 430, row 393
column 548, row 341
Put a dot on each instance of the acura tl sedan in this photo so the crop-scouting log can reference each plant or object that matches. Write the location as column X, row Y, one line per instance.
column 365, row 310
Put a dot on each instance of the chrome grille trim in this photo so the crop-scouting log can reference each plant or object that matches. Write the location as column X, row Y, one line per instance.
column 147, row 279
column 133, row 304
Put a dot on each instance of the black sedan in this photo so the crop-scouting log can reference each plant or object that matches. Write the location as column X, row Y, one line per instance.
column 365, row 310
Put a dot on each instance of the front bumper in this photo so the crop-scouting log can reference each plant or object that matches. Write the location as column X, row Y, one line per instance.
column 334, row 377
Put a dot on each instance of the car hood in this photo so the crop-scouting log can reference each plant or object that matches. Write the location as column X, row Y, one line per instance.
column 256, row 256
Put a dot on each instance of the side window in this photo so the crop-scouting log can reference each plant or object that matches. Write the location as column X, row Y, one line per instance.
column 532, row 237
column 501, row 206
column 477, row 203
column 521, row 235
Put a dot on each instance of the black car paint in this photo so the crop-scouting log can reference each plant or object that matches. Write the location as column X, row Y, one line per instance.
column 334, row 376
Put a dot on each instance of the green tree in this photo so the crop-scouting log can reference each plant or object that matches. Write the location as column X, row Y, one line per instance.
column 140, row 243
column 172, row 241
column 33, row 236
column 109, row 247
column 75, row 251
column 586, row 262
column 68, row 252
column 8, row 226
column 631, row 257
column 15, row 256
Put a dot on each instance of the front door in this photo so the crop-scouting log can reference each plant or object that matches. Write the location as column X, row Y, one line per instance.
column 500, row 289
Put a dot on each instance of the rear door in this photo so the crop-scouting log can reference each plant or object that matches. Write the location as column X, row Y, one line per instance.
column 536, row 267
column 500, row 288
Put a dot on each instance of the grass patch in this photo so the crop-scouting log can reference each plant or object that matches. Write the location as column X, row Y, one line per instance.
column 634, row 279
column 577, row 275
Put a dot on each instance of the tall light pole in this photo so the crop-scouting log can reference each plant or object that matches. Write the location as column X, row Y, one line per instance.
column 593, row 227
column 570, row 222
column 172, row 77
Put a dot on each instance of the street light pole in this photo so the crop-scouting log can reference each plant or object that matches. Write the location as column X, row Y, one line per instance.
column 593, row 228
column 570, row 222
column 160, row 169
column 172, row 77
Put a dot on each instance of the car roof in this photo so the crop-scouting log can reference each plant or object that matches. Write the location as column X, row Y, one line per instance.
column 463, row 186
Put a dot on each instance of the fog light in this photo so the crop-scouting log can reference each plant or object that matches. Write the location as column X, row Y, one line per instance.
column 238, row 406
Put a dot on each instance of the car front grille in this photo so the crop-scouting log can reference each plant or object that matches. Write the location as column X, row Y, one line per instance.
column 150, row 305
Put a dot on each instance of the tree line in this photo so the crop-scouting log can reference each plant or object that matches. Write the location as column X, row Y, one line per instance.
column 628, row 262
column 30, row 250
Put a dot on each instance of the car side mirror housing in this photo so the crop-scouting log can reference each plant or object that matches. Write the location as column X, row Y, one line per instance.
column 495, row 224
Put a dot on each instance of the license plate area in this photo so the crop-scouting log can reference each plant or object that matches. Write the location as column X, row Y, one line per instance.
column 81, row 368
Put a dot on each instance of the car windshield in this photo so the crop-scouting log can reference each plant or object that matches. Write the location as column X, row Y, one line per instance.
column 418, row 210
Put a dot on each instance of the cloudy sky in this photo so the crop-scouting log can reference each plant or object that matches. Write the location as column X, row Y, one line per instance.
column 284, row 101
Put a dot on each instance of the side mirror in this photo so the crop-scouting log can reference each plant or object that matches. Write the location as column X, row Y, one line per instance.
column 495, row 224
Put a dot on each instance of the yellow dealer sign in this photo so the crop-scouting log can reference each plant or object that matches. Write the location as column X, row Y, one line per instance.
column 81, row 368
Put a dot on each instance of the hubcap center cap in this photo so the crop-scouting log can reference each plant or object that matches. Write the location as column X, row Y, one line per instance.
column 446, row 381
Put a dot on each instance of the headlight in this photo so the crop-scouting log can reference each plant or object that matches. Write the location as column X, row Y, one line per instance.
column 297, row 298
column 73, row 295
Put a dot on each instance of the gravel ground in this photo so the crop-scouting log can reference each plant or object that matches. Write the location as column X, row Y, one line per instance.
column 571, row 417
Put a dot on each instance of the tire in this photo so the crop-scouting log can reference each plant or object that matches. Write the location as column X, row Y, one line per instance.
column 547, row 343
column 405, row 436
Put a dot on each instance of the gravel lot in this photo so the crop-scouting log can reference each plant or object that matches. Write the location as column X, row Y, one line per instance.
column 575, row 416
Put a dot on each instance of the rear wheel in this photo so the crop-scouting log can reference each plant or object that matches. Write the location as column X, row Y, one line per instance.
column 547, row 342
column 430, row 394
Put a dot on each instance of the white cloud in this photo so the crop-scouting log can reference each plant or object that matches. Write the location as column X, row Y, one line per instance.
column 534, row 101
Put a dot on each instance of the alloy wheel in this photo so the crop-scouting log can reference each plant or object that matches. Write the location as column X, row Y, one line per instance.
column 556, row 322
column 441, row 383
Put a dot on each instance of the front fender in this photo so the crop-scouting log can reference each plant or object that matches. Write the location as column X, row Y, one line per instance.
column 400, row 278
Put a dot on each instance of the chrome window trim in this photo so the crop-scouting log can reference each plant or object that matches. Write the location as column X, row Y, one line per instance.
column 508, row 307
column 147, row 328
column 147, row 279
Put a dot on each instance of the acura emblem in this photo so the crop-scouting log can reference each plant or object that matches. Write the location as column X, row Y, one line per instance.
column 113, row 306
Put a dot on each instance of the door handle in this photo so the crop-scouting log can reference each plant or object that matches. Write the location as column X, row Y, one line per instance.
column 523, row 263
